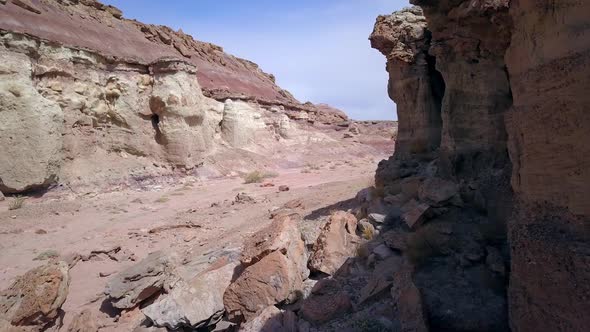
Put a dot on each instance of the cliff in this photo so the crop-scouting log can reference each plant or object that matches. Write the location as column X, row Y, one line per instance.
column 89, row 98
column 490, row 96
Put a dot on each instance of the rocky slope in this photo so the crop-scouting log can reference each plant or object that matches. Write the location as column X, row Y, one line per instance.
column 90, row 99
column 491, row 97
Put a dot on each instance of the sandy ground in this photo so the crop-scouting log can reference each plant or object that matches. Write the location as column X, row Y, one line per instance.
column 132, row 220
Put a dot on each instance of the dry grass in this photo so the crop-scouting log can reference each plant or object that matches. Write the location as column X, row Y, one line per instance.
column 368, row 233
column 17, row 203
column 162, row 199
column 313, row 167
column 48, row 254
column 259, row 176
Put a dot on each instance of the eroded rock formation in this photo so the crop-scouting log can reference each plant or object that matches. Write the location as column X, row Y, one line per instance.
column 490, row 96
column 119, row 101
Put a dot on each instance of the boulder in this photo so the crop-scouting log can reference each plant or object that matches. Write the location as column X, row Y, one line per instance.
column 377, row 218
column 396, row 239
column 143, row 280
column 2, row 198
column 272, row 280
column 271, row 319
column 36, row 297
column 336, row 243
column 84, row 322
column 436, row 191
column 382, row 252
column 327, row 301
column 194, row 304
column 413, row 213
column 281, row 235
column 381, row 278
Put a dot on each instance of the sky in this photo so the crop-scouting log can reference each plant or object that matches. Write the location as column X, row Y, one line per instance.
column 317, row 50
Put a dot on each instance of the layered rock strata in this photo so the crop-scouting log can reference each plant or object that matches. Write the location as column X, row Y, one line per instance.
column 90, row 99
column 512, row 77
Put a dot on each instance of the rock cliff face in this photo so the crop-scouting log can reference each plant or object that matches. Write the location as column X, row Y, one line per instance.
column 88, row 98
column 512, row 76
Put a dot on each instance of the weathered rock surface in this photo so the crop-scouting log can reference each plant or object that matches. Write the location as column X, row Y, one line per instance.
column 193, row 304
column 406, row 295
column 31, row 142
column 415, row 85
column 272, row 319
column 327, row 301
column 335, row 243
column 480, row 69
column 141, row 281
column 272, row 280
column 35, row 298
column 129, row 95
column 85, row 321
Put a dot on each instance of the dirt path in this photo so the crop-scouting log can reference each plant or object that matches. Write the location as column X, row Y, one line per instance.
column 200, row 216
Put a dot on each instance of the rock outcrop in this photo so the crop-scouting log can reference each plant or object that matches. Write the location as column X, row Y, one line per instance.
column 119, row 102
column 275, row 262
column 491, row 102
column 337, row 241
column 34, row 299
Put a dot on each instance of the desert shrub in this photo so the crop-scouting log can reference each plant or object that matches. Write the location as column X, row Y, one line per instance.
column 368, row 233
column 48, row 254
column 313, row 167
column 425, row 243
column 259, row 176
column 16, row 203
column 162, row 199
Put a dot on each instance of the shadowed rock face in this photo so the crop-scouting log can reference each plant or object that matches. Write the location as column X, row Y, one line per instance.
column 415, row 85
column 549, row 129
column 515, row 77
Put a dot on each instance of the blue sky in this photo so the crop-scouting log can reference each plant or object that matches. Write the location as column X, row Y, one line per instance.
column 318, row 50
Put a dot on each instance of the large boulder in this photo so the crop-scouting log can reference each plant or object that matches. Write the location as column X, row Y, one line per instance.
column 35, row 298
column 281, row 235
column 272, row 280
column 193, row 304
column 336, row 243
column 141, row 281
column 31, row 142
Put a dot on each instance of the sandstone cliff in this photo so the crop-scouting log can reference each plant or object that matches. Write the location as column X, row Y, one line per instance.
column 88, row 98
column 491, row 96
